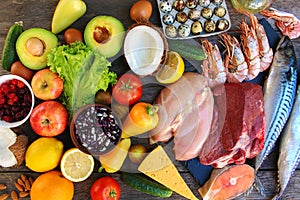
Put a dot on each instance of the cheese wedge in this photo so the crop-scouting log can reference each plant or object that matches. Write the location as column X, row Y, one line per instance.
column 158, row 166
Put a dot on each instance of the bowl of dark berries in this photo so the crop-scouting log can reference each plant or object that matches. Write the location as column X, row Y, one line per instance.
column 95, row 130
column 16, row 100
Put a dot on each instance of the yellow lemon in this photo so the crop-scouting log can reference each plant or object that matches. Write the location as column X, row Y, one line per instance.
column 172, row 70
column 76, row 165
column 44, row 154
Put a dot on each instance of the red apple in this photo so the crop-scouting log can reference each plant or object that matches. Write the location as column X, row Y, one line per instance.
column 49, row 118
column 47, row 85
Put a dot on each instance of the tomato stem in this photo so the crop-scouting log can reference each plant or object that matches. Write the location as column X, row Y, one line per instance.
column 126, row 85
column 112, row 193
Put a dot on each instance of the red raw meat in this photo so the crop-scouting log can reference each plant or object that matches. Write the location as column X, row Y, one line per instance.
column 238, row 131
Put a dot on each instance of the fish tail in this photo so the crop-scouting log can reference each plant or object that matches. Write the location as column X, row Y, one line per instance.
column 259, row 186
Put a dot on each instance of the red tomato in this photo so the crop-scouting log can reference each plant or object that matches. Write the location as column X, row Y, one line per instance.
column 105, row 188
column 128, row 89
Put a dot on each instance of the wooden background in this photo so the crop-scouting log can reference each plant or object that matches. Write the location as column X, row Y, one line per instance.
column 38, row 13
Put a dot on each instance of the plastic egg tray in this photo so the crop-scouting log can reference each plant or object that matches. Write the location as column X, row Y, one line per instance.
column 173, row 29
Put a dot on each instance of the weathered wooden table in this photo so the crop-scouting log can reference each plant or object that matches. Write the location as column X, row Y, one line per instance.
column 38, row 13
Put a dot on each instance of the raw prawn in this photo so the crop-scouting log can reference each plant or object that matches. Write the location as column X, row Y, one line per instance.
column 251, row 50
column 234, row 62
column 213, row 66
column 288, row 24
column 265, row 51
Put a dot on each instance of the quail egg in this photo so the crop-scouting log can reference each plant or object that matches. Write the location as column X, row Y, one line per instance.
column 204, row 3
column 181, row 17
column 165, row 6
column 197, row 27
column 222, row 24
column 168, row 19
column 171, row 31
column 191, row 4
column 220, row 11
column 206, row 13
column 194, row 14
column 217, row 2
column 178, row 5
column 209, row 26
column 184, row 30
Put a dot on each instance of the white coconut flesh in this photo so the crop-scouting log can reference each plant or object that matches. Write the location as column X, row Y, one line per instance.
column 7, row 138
column 143, row 49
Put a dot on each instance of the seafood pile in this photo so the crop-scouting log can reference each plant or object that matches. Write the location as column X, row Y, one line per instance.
column 243, row 60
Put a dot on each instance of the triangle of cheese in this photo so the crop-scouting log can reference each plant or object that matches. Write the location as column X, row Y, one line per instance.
column 158, row 166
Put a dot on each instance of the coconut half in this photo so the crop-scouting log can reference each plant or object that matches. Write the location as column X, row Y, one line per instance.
column 144, row 49
column 7, row 138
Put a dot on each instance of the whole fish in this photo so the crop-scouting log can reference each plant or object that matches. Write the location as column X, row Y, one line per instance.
column 279, row 95
column 289, row 149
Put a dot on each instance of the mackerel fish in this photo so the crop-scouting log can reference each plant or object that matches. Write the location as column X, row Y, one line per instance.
column 279, row 94
column 289, row 149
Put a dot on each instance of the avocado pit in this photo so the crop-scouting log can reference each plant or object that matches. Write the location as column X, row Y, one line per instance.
column 101, row 35
column 35, row 46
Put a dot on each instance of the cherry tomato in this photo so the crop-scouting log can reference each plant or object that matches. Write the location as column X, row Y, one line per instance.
column 105, row 188
column 72, row 35
column 128, row 89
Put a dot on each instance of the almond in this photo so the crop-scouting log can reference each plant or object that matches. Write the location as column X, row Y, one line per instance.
column 23, row 194
column 31, row 180
column 27, row 185
column 21, row 182
column 14, row 195
column 2, row 186
column 4, row 196
column 19, row 187
column 24, row 177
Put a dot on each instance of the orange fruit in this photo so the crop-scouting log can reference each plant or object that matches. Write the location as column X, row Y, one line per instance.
column 52, row 185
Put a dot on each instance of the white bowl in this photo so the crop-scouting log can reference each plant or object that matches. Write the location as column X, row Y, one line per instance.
column 5, row 78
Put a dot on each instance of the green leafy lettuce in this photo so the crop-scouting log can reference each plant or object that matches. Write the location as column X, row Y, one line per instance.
column 83, row 71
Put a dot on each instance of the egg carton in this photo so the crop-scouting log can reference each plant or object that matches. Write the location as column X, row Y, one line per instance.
column 173, row 29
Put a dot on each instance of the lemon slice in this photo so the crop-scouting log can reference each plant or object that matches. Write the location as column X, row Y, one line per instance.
column 76, row 165
column 172, row 70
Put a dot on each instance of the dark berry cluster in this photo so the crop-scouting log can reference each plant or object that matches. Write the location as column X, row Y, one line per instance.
column 15, row 100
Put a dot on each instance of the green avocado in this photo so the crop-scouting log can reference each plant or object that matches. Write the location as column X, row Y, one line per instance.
column 105, row 34
column 33, row 45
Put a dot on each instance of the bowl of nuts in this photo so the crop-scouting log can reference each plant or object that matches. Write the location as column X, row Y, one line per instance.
column 95, row 130
column 16, row 101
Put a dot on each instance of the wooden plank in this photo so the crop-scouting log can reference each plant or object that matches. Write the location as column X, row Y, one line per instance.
column 82, row 188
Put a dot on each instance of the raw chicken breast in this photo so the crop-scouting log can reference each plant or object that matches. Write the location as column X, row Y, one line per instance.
column 185, row 112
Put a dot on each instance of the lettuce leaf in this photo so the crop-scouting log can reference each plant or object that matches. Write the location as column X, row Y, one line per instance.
column 83, row 71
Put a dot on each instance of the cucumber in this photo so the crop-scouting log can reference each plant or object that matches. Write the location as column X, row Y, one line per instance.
column 188, row 51
column 9, row 54
column 145, row 184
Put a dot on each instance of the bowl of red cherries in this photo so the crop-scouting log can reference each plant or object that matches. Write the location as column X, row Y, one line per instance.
column 16, row 100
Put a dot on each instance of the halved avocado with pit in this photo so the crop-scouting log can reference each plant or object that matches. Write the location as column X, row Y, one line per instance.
column 33, row 46
column 105, row 34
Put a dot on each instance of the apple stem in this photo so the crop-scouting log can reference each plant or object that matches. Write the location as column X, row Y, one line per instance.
column 46, row 122
column 44, row 85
